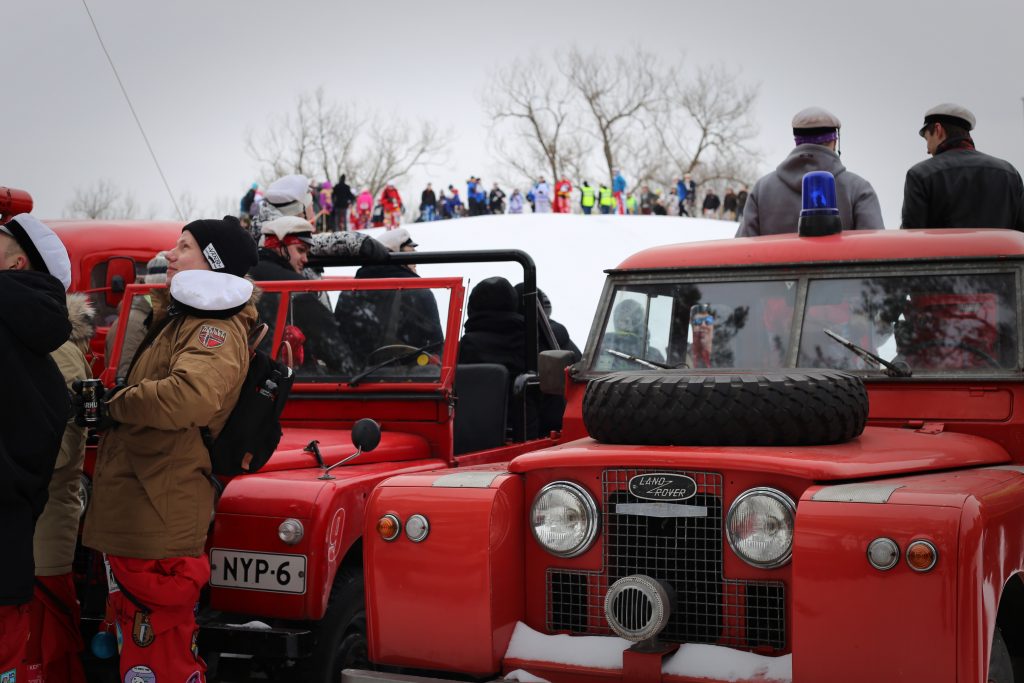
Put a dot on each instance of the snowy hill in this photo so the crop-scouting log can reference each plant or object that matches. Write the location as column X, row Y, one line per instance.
column 571, row 252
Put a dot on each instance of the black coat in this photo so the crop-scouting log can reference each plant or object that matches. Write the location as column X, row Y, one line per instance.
column 341, row 195
column 373, row 319
column 34, row 409
column 427, row 198
column 326, row 350
column 963, row 188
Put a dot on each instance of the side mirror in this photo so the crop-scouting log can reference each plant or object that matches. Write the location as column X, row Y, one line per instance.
column 120, row 274
column 551, row 366
column 365, row 434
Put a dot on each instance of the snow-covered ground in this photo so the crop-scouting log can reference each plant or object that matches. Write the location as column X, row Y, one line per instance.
column 571, row 252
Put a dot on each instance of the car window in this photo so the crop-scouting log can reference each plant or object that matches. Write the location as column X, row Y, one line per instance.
column 105, row 314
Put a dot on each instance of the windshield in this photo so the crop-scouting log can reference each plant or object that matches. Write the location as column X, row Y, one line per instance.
column 336, row 335
column 935, row 324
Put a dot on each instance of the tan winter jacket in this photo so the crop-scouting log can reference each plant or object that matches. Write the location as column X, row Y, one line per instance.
column 57, row 528
column 152, row 497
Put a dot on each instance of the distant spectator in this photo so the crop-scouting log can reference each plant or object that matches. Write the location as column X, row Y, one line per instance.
column 341, row 199
column 246, row 204
column 691, row 194
column 659, row 205
column 325, row 205
column 515, row 202
column 619, row 191
column 563, row 195
column 442, row 206
column 391, row 202
column 711, row 204
column 455, row 206
column 741, row 201
column 681, row 192
column 428, row 204
column 647, row 200
column 496, row 200
column 364, row 210
column 606, row 199
column 730, row 205
column 588, row 198
column 542, row 196
column 532, row 199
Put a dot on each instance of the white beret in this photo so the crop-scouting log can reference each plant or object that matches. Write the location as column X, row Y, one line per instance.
column 207, row 290
column 949, row 112
column 44, row 249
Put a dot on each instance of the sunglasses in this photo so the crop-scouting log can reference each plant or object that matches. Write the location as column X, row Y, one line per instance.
column 703, row 320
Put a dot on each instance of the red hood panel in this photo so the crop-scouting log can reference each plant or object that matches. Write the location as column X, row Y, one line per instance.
column 879, row 451
column 336, row 444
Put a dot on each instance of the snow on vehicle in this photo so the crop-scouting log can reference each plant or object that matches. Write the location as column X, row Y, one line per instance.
column 796, row 459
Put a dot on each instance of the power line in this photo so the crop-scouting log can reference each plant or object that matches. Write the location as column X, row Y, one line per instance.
column 127, row 99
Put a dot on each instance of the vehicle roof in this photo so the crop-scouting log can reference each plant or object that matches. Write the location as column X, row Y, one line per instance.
column 853, row 245
column 88, row 236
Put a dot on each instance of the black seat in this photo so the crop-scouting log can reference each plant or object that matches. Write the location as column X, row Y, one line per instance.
column 481, row 391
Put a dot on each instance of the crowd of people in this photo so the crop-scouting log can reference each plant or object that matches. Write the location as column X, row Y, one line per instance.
column 189, row 354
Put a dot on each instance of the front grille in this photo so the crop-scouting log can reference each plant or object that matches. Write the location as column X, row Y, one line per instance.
column 683, row 552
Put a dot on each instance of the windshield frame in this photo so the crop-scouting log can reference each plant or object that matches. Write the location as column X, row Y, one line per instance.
column 803, row 276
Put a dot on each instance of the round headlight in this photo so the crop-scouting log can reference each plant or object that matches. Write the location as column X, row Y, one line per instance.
column 760, row 527
column 416, row 528
column 290, row 531
column 883, row 553
column 564, row 519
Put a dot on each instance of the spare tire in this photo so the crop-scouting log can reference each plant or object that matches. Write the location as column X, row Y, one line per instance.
column 726, row 408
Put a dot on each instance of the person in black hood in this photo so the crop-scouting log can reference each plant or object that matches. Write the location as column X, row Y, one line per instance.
column 372, row 320
column 33, row 413
column 341, row 198
column 317, row 343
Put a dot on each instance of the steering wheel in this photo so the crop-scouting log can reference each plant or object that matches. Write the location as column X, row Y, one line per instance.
column 914, row 350
column 389, row 351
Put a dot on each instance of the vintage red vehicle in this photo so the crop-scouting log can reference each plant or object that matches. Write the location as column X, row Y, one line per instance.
column 794, row 459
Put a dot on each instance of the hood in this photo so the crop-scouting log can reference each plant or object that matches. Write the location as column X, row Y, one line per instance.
column 81, row 314
column 804, row 159
column 493, row 294
column 33, row 309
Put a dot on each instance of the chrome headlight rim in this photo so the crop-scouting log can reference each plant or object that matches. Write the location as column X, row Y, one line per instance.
column 589, row 506
column 780, row 497
column 291, row 531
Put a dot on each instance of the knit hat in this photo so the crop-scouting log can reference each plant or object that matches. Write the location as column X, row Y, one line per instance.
column 815, row 126
column 948, row 113
column 44, row 249
column 227, row 247
column 394, row 240
column 156, row 269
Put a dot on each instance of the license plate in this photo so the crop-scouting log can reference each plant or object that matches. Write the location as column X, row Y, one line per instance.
column 272, row 572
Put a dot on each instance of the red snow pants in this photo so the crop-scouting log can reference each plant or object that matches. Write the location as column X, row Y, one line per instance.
column 153, row 605
column 55, row 641
column 14, row 627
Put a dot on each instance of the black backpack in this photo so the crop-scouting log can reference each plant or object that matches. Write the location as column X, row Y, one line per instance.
column 253, row 430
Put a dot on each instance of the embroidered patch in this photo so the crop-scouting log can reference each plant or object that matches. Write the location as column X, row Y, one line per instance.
column 211, row 337
column 140, row 674
column 142, row 630
column 212, row 257
column 9, row 676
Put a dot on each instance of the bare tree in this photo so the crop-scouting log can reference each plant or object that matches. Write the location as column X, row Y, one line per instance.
column 704, row 126
column 322, row 139
column 615, row 92
column 534, row 122
column 101, row 200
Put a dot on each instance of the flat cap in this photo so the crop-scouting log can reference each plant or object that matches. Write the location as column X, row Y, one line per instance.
column 951, row 113
column 394, row 240
column 815, row 117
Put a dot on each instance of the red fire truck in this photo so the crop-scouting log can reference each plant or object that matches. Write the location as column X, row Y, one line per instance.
column 794, row 458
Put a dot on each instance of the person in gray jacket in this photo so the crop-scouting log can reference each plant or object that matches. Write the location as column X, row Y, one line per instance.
column 773, row 206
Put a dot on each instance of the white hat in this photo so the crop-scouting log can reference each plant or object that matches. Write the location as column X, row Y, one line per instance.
column 394, row 240
column 815, row 117
column 287, row 190
column 949, row 112
column 284, row 226
column 44, row 249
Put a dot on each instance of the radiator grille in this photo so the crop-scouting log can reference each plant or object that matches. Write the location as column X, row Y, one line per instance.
column 683, row 552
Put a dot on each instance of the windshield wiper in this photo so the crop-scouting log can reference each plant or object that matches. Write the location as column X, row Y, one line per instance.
column 391, row 361
column 641, row 361
column 891, row 369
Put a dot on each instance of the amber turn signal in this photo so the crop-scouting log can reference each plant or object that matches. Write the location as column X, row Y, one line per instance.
column 388, row 527
column 922, row 556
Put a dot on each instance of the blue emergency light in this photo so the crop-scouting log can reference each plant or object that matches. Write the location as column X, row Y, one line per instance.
column 819, row 215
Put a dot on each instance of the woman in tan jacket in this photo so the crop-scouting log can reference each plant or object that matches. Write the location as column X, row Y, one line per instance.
column 152, row 498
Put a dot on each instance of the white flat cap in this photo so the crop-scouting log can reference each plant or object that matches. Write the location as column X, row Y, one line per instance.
column 815, row 117
column 949, row 112
column 394, row 240
column 44, row 249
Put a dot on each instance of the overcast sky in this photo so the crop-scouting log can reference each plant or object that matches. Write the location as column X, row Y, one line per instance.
column 202, row 72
